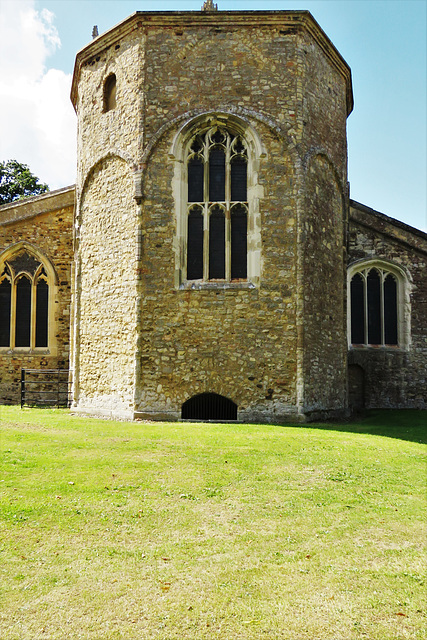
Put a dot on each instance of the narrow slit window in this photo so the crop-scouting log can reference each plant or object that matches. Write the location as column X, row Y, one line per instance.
column 5, row 308
column 110, row 89
column 357, row 310
column 239, row 227
column 195, row 245
column 390, row 310
column 217, row 244
column 374, row 307
column 42, row 306
column 23, row 313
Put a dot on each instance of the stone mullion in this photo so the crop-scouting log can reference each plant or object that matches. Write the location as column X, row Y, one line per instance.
column 13, row 314
column 33, row 314
column 205, row 205
column 382, row 307
column 365, row 307
column 228, row 209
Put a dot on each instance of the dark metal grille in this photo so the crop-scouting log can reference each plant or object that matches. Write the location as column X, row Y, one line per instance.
column 45, row 387
column 209, row 406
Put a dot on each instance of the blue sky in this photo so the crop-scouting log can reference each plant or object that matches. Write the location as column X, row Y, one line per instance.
column 384, row 42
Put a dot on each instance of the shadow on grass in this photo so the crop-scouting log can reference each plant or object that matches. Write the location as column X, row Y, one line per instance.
column 403, row 424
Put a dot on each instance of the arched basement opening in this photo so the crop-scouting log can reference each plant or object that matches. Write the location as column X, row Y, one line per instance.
column 209, row 406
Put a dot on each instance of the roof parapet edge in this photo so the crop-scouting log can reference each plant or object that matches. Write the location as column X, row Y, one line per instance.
column 302, row 18
column 358, row 206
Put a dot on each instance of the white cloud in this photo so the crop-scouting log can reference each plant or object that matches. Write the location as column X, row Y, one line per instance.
column 37, row 120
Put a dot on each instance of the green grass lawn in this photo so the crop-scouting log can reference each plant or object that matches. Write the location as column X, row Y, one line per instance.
column 189, row 531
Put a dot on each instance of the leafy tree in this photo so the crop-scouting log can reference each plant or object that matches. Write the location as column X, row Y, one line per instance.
column 17, row 181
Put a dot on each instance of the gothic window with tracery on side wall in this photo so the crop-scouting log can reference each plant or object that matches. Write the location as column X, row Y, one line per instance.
column 24, row 303
column 375, row 316
column 217, row 206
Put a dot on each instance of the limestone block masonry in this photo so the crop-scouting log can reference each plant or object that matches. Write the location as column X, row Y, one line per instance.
column 41, row 225
column 144, row 339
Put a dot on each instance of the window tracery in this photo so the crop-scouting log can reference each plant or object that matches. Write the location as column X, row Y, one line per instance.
column 376, row 315
column 217, row 206
column 24, row 302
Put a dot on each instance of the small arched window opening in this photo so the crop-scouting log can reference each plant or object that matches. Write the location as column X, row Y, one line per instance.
column 374, row 307
column 209, row 406
column 217, row 206
column 110, row 87
column 24, row 302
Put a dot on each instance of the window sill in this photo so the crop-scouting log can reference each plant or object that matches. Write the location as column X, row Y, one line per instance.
column 37, row 351
column 199, row 285
column 376, row 347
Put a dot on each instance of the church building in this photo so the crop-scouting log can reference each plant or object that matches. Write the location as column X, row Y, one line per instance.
column 209, row 262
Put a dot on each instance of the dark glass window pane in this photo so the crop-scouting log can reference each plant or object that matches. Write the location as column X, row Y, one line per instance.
column 374, row 307
column 217, row 244
column 238, row 243
column 5, row 301
column 195, row 246
column 217, row 175
column 195, row 180
column 23, row 313
column 239, row 179
column 357, row 310
column 390, row 310
column 42, row 313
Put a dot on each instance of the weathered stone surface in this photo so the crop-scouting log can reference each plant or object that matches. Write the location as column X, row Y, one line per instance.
column 143, row 339
column 44, row 222
column 393, row 377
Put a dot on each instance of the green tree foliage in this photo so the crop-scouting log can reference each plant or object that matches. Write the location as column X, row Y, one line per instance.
column 17, row 181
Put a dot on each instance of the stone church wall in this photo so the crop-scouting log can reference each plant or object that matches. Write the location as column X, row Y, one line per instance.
column 45, row 223
column 105, row 315
column 393, row 377
column 277, row 75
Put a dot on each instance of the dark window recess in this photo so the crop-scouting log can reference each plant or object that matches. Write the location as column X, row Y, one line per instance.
column 24, row 262
column 390, row 310
column 42, row 304
column 110, row 93
column 209, row 406
column 23, row 313
column 216, row 175
column 195, row 180
column 238, row 242
column 195, row 246
column 239, row 179
column 5, row 303
column 357, row 310
column 216, row 244
column 374, row 307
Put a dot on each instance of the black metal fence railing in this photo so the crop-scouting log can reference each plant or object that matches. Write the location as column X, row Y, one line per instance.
column 45, row 387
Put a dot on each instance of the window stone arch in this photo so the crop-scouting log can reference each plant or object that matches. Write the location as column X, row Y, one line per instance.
column 216, row 191
column 378, row 307
column 27, row 293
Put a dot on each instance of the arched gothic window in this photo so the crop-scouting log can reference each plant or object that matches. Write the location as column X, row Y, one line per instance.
column 217, row 206
column 375, row 301
column 24, row 302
